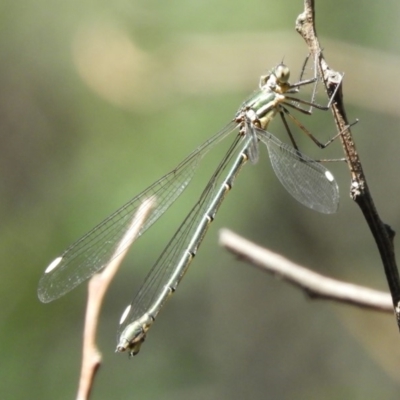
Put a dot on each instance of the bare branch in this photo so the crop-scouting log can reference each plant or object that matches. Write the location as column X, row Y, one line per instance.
column 316, row 286
column 359, row 190
column 97, row 287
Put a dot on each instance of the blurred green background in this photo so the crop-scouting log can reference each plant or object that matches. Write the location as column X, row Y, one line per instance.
column 98, row 100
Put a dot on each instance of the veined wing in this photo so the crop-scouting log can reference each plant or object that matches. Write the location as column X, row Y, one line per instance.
column 307, row 180
column 99, row 246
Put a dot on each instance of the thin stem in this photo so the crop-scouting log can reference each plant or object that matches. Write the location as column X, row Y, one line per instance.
column 359, row 190
column 97, row 288
column 315, row 285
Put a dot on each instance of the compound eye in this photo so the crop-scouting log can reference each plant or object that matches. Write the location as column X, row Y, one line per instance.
column 282, row 73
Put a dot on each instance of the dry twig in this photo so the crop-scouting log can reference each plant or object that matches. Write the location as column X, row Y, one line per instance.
column 97, row 288
column 315, row 285
column 359, row 190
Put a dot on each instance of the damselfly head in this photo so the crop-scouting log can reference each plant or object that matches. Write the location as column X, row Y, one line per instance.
column 277, row 77
column 282, row 73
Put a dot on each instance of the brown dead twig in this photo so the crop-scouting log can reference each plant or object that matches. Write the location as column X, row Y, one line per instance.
column 315, row 285
column 97, row 288
column 359, row 191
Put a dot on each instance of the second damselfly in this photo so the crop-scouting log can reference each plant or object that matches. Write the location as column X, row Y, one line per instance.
column 305, row 179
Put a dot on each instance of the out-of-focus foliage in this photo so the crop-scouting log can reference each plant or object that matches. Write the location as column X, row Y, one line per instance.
column 99, row 99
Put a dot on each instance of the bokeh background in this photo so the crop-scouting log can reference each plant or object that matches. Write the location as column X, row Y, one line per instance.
column 98, row 100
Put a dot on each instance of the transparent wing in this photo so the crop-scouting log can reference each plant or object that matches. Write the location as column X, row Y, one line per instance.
column 165, row 266
column 99, row 246
column 307, row 180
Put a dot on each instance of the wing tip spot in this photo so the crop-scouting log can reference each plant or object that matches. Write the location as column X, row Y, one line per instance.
column 53, row 265
column 329, row 176
column 125, row 314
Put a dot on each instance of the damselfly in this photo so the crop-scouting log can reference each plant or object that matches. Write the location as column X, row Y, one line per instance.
column 305, row 179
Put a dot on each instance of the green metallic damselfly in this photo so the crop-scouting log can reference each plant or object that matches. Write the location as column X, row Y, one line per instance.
column 307, row 180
